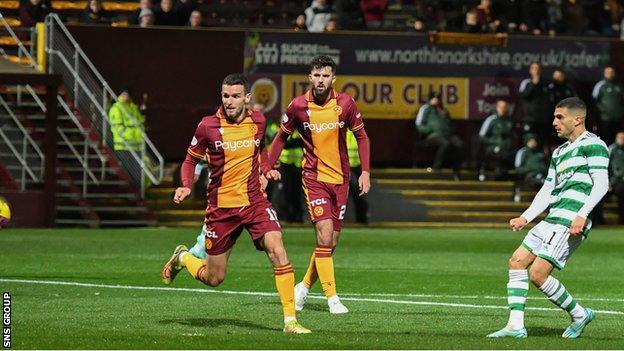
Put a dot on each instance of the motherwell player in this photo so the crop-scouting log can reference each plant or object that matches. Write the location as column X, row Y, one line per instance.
column 322, row 117
column 231, row 141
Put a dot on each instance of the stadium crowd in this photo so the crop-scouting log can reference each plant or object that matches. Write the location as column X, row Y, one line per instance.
column 536, row 17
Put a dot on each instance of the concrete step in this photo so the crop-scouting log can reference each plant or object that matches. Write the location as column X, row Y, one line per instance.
column 474, row 195
column 429, row 184
column 472, row 206
column 421, row 173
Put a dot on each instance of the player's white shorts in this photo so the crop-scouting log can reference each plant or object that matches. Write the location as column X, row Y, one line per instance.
column 552, row 242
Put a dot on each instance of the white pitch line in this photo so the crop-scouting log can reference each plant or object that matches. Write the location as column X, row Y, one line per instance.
column 485, row 297
column 258, row 293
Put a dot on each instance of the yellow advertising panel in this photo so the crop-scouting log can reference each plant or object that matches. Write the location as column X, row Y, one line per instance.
column 383, row 97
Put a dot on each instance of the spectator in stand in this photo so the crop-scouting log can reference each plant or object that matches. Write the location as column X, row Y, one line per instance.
column 300, row 23
column 555, row 16
column 560, row 88
column 317, row 15
column 349, row 14
column 615, row 9
column 599, row 20
column 616, row 173
column 33, row 11
column 574, row 19
column 485, row 17
column 331, row 25
column 531, row 166
column 471, row 25
column 185, row 8
column 95, row 14
column 195, row 19
column 428, row 15
column 609, row 99
column 508, row 13
column 496, row 142
column 374, row 12
column 143, row 4
column 534, row 17
column 433, row 121
column 146, row 18
column 165, row 15
column 536, row 105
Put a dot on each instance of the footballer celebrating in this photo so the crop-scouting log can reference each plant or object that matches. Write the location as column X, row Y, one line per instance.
column 577, row 180
column 231, row 141
column 321, row 116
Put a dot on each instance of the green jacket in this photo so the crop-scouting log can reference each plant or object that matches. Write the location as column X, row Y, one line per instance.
column 531, row 162
column 352, row 150
column 609, row 100
column 616, row 164
column 433, row 122
column 497, row 131
column 120, row 117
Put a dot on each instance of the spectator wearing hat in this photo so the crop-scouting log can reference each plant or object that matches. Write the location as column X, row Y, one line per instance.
column 146, row 18
column 616, row 172
column 143, row 4
column 433, row 121
column 127, row 123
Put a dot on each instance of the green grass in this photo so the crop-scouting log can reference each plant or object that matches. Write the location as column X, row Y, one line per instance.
column 447, row 266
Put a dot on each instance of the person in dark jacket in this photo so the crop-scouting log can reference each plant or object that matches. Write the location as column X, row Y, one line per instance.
column 349, row 14
column 33, row 11
column 609, row 99
column 496, row 142
column 434, row 123
column 560, row 88
column 95, row 14
column 616, row 173
column 536, row 105
column 530, row 164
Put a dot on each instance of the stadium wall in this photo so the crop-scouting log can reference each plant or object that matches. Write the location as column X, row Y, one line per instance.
column 390, row 75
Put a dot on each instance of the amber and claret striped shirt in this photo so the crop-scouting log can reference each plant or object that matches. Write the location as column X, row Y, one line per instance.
column 323, row 130
column 232, row 151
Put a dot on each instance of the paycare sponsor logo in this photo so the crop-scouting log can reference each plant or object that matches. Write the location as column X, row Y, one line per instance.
column 238, row 144
column 321, row 127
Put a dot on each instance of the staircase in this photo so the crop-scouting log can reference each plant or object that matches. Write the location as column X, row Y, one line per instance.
column 459, row 204
column 96, row 186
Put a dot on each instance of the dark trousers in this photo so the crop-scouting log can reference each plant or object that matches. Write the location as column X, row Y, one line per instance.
column 291, row 182
column 618, row 190
column 449, row 148
column 501, row 159
column 360, row 203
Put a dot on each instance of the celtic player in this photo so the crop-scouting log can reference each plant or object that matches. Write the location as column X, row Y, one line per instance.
column 577, row 180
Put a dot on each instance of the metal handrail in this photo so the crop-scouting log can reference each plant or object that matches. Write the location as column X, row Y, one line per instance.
column 20, row 47
column 21, row 160
column 26, row 138
column 82, row 160
column 52, row 20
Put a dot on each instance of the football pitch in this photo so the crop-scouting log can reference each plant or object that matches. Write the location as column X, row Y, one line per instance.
column 406, row 289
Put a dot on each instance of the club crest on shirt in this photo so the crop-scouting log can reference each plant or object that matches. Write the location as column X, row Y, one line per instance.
column 318, row 211
column 338, row 110
column 254, row 129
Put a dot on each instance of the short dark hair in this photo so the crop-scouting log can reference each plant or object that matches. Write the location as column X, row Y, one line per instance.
column 323, row 61
column 573, row 103
column 237, row 79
